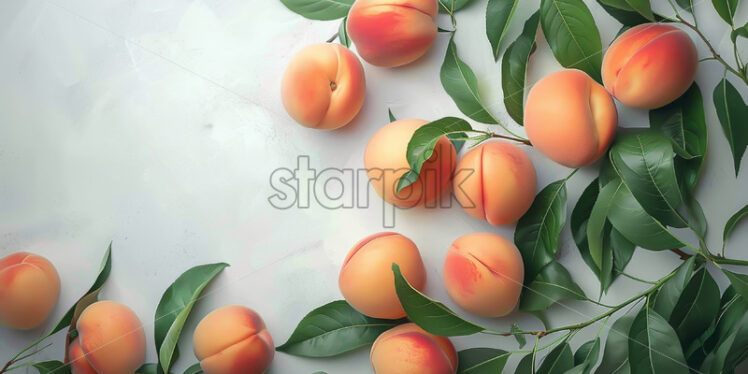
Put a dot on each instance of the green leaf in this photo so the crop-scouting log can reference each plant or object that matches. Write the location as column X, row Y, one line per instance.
column 641, row 7
column 323, row 10
column 627, row 18
column 623, row 250
column 521, row 340
column 684, row 123
column 644, row 161
column 194, row 369
column 552, row 284
column 732, row 112
column 175, row 306
column 453, row 5
column 392, row 116
column 616, row 354
column 727, row 347
column 462, row 86
column 597, row 222
column 538, row 230
column 430, row 314
column 739, row 282
column 514, row 69
column 733, row 221
column 726, row 9
column 667, row 297
column 654, row 346
column 422, row 143
column 579, row 220
column 686, row 4
column 498, row 17
column 696, row 308
column 572, row 35
column 333, row 329
column 558, row 360
column 741, row 31
column 343, row 33
column 637, row 226
column 586, row 357
column 56, row 367
column 481, row 361
column 147, row 369
column 526, row 365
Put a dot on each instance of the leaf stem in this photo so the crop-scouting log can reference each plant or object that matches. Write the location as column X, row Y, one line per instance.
column 517, row 139
column 627, row 275
column 332, row 38
column 711, row 49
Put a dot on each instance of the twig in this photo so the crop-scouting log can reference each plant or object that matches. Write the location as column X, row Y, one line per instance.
column 332, row 38
column 683, row 255
column 519, row 140
column 711, row 48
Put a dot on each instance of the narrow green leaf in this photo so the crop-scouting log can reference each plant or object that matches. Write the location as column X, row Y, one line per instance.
column 391, row 116
column 538, row 230
column 323, row 10
column 343, row 33
column 667, row 297
column 653, row 346
column 481, row 361
column 739, row 282
column 521, row 340
column 727, row 346
column 579, row 221
column 733, row 221
column 333, row 329
column 552, row 284
column 741, row 31
column 430, row 314
column 48, row 367
column 726, row 9
column 559, row 360
column 572, row 35
column 616, row 354
column 453, row 5
column 526, row 365
column 462, row 86
column 623, row 250
column 697, row 307
column 175, row 306
column 514, row 69
column 147, row 369
column 498, row 17
column 641, row 7
column 586, row 357
column 686, row 4
column 422, row 143
column 598, row 219
column 194, row 369
column 732, row 112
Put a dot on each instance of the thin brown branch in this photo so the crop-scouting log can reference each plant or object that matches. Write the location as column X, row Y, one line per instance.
column 716, row 54
column 683, row 255
column 523, row 141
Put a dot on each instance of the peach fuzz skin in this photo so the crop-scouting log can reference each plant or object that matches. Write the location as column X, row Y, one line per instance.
column 391, row 33
column 408, row 349
column 483, row 274
column 385, row 162
column 233, row 339
column 650, row 65
column 366, row 279
column 323, row 86
column 110, row 340
column 501, row 186
column 570, row 118
column 29, row 289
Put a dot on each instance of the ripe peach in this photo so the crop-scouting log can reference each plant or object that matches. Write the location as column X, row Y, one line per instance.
column 570, row 118
column 650, row 65
column 110, row 340
column 501, row 185
column 323, row 86
column 483, row 274
column 366, row 279
column 408, row 349
column 29, row 289
column 392, row 33
column 385, row 162
column 233, row 339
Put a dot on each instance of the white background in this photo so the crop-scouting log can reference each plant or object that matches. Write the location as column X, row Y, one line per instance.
column 156, row 125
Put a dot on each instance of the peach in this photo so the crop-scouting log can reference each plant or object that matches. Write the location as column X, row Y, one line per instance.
column 483, row 274
column 408, row 349
column 323, row 86
column 233, row 339
column 650, row 65
column 501, row 184
column 385, row 161
column 366, row 279
column 570, row 118
column 110, row 340
column 29, row 289
column 392, row 33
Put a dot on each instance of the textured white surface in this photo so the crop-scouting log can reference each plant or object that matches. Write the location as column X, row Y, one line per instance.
column 156, row 125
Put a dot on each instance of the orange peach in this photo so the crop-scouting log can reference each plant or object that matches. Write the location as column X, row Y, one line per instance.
column 392, row 33
column 570, row 118
column 323, row 86
column 408, row 349
column 650, row 65
column 233, row 339
column 29, row 289
column 385, row 162
column 499, row 185
column 366, row 279
column 483, row 274
column 110, row 340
